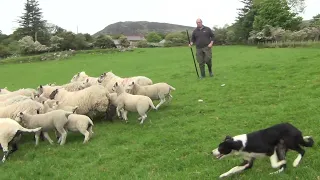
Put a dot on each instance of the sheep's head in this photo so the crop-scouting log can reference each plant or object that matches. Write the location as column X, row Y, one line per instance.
column 40, row 89
column 19, row 116
column 102, row 77
column 53, row 94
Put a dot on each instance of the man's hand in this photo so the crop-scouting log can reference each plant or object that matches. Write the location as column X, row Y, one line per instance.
column 190, row 44
column 210, row 45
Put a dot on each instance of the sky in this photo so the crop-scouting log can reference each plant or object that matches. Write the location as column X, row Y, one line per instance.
column 94, row 15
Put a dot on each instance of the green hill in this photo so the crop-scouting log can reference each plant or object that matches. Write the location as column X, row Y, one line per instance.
column 141, row 27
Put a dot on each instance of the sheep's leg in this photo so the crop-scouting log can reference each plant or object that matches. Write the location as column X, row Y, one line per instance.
column 124, row 115
column 37, row 136
column 5, row 151
column 143, row 117
column 90, row 131
column 63, row 133
column 14, row 148
column 46, row 135
column 162, row 100
column 169, row 97
column 86, row 136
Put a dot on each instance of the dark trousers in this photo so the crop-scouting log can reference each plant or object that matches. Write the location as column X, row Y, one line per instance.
column 204, row 56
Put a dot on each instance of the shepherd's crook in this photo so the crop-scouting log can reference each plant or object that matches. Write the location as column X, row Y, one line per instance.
column 194, row 61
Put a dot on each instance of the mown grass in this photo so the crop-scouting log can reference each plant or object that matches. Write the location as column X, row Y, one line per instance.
column 263, row 87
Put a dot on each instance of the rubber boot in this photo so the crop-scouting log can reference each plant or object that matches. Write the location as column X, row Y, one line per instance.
column 210, row 71
column 203, row 72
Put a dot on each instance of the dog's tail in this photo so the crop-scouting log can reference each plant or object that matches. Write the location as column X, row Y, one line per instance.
column 307, row 141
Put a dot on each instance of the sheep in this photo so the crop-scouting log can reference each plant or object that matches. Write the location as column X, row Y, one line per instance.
column 26, row 92
column 79, row 123
column 4, row 90
column 108, row 79
column 158, row 91
column 133, row 103
column 82, row 76
column 13, row 100
column 111, row 112
column 46, row 90
column 93, row 98
column 40, row 98
column 10, row 134
column 55, row 119
column 56, row 105
column 76, row 122
column 76, row 86
column 28, row 105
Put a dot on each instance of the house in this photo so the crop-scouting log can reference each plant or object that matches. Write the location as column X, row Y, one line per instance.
column 132, row 39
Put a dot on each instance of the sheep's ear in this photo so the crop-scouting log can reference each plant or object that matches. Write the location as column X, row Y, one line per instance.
column 116, row 84
column 42, row 102
column 87, row 80
column 132, row 82
column 57, row 102
column 21, row 113
column 40, row 86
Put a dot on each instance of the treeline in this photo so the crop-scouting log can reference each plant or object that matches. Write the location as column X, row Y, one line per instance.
column 269, row 21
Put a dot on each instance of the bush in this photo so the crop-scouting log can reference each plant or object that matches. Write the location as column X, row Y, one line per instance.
column 289, row 44
column 4, row 51
column 42, row 57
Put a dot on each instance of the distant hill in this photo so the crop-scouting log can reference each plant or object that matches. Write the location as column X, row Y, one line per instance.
column 141, row 27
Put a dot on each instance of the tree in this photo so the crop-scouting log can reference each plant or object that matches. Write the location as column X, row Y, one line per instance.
column 153, row 37
column 32, row 24
column 124, row 41
column 275, row 13
column 297, row 6
column 315, row 22
column 104, row 41
column 244, row 21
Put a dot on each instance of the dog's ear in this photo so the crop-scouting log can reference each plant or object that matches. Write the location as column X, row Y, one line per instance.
column 227, row 138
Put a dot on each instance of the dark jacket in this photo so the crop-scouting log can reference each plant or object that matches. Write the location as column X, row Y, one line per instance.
column 202, row 37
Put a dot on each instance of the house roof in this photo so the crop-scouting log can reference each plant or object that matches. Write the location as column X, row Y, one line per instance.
column 135, row 38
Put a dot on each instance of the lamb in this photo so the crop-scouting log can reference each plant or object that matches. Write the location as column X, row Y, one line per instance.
column 46, row 90
column 82, row 76
column 76, row 122
column 13, row 100
column 56, row 105
column 133, row 103
column 28, row 105
column 76, row 86
column 55, row 119
column 40, row 98
column 80, row 123
column 93, row 98
column 26, row 92
column 108, row 79
column 4, row 90
column 10, row 134
column 155, row 91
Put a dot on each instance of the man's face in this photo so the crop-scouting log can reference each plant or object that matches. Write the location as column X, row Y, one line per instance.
column 199, row 23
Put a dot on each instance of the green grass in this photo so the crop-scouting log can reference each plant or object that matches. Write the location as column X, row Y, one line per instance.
column 263, row 87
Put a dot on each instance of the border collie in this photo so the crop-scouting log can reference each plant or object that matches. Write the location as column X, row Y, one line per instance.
column 272, row 142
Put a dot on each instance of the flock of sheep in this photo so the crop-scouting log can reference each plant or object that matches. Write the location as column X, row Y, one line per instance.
column 73, row 106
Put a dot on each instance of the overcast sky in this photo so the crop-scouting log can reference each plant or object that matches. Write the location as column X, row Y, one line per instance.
column 92, row 16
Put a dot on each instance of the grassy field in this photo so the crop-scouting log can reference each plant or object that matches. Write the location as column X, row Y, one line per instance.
column 262, row 87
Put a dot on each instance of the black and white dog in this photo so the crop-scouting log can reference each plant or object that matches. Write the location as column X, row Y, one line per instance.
column 272, row 142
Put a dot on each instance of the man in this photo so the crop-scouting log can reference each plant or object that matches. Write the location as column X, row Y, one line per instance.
column 203, row 36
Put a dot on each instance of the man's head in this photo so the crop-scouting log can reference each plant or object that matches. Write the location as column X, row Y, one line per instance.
column 199, row 23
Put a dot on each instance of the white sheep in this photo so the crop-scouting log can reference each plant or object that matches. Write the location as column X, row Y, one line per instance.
column 93, row 98
column 82, row 76
column 158, row 91
column 4, row 90
column 13, row 100
column 108, row 79
column 53, row 120
column 132, row 103
column 26, row 92
column 76, row 123
column 76, row 86
column 10, row 134
column 28, row 105
column 46, row 90
column 54, row 104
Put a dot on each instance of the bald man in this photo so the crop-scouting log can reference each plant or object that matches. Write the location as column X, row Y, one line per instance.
column 202, row 37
